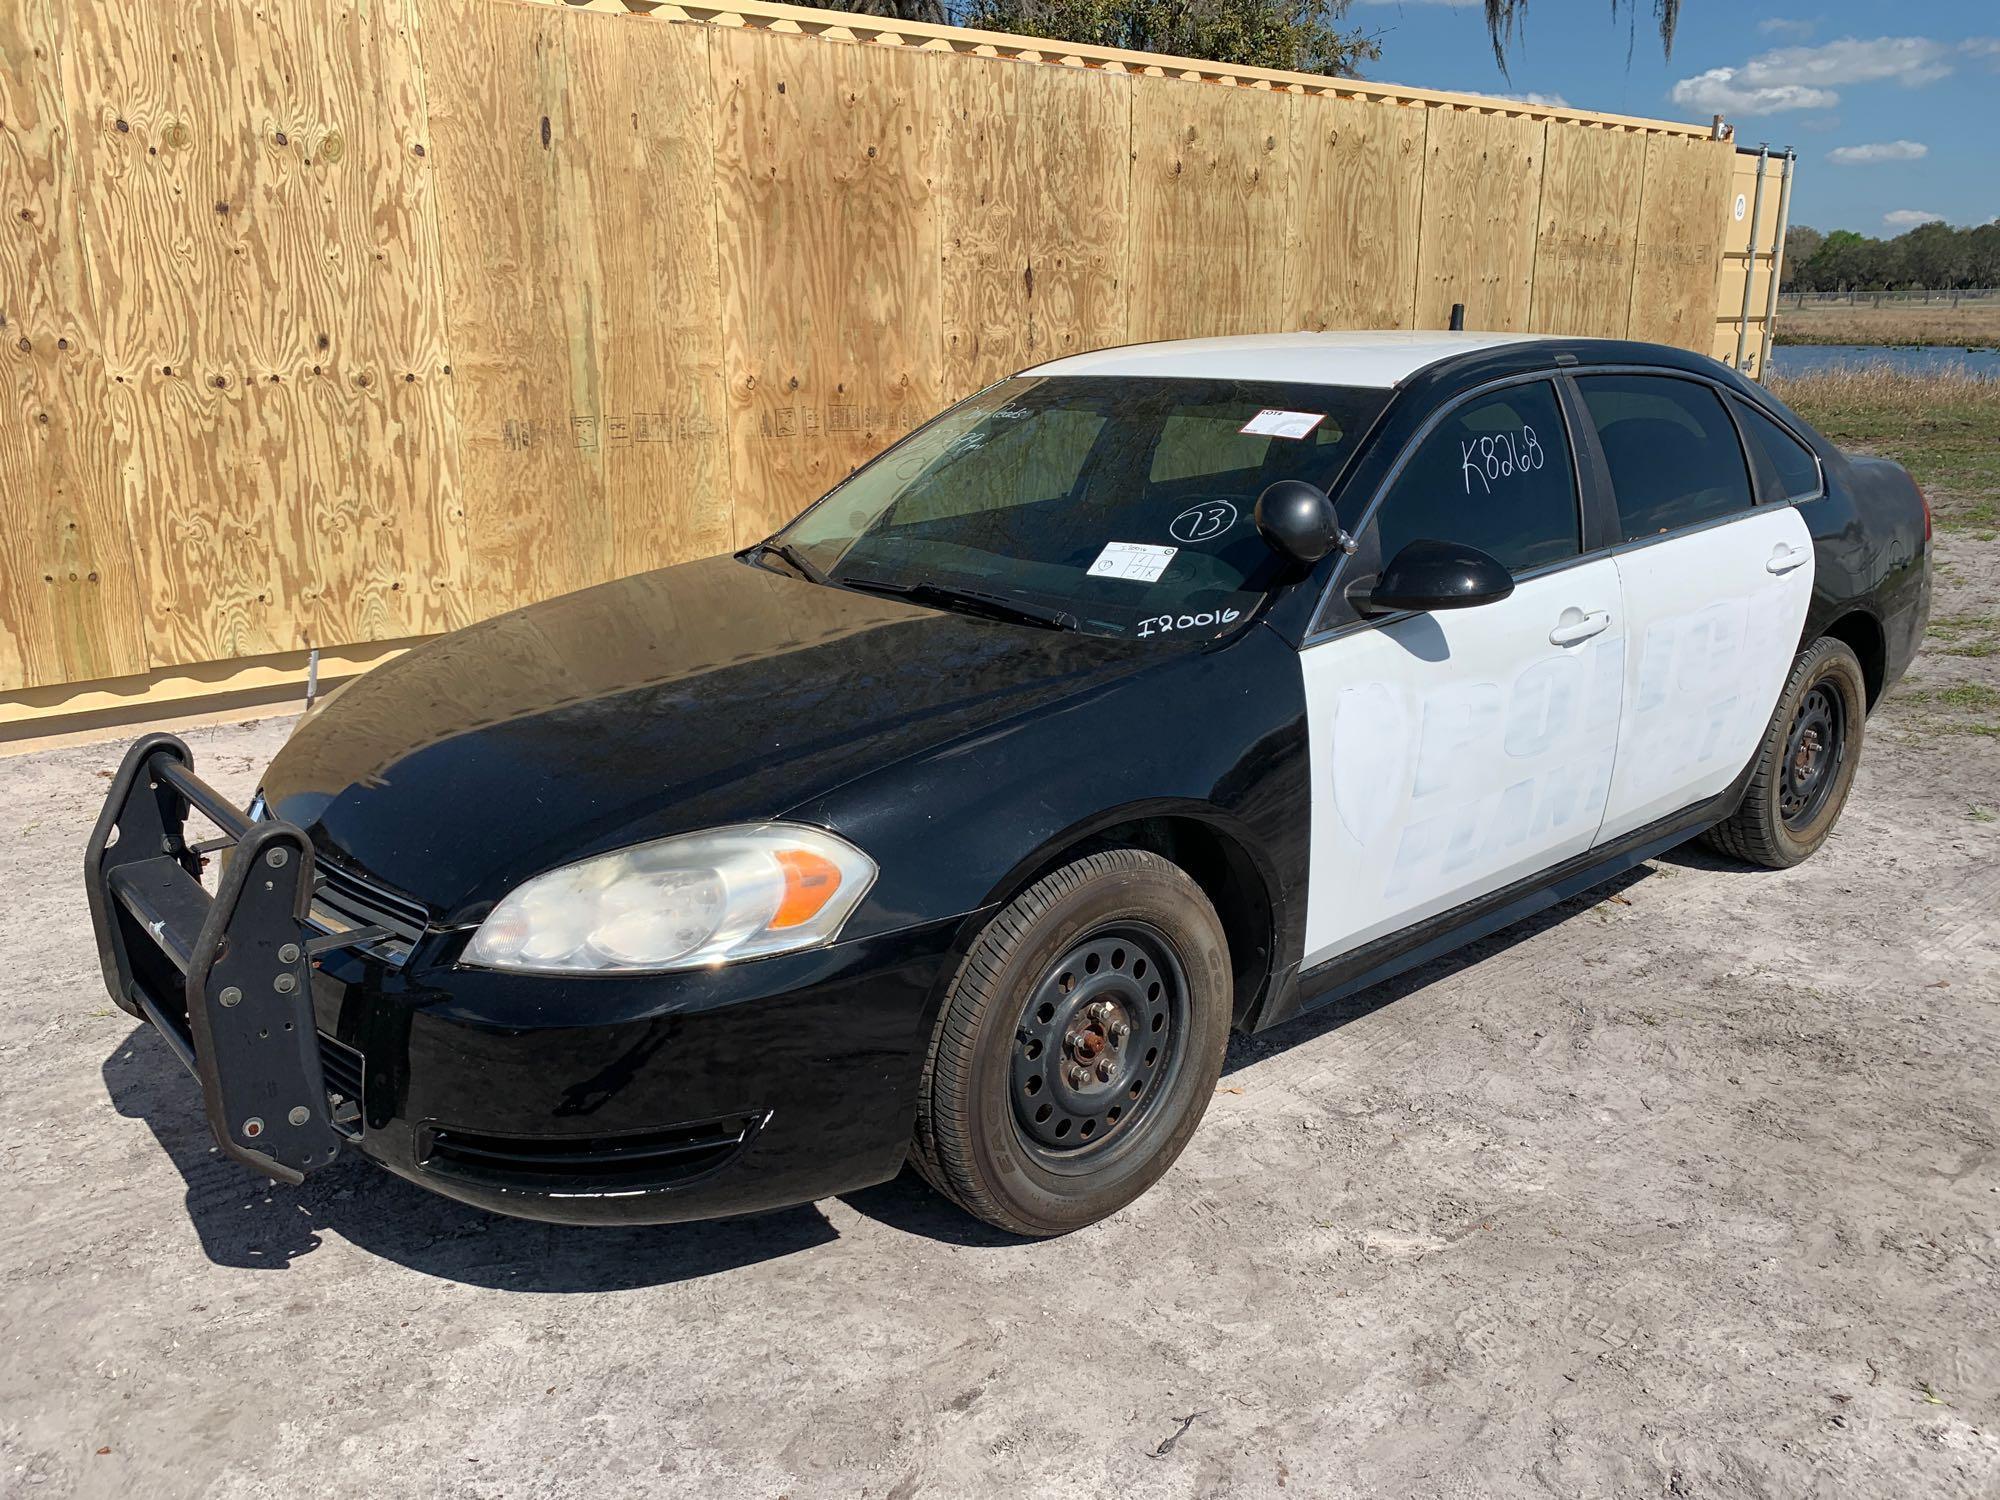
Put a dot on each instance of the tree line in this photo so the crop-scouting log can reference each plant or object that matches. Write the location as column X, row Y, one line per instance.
column 1934, row 256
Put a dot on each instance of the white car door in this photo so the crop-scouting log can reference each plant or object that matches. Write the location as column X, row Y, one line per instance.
column 1715, row 592
column 1457, row 751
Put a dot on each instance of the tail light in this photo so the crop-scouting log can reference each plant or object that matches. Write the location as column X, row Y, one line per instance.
column 1925, row 501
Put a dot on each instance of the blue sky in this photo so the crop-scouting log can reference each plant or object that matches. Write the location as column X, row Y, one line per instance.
column 1894, row 110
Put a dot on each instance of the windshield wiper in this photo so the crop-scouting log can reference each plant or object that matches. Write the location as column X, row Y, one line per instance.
column 977, row 601
column 807, row 569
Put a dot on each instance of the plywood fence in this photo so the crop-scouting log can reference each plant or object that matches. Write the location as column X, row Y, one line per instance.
column 327, row 322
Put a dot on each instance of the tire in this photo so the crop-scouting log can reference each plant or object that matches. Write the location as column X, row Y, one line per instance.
column 1121, row 938
column 1783, row 818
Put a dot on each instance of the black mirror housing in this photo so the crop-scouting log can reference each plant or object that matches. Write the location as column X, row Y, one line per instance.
column 1296, row 520
column 1428, row 575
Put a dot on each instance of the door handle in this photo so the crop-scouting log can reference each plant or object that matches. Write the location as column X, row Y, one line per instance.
column 1577, row 625
column 1787, row 558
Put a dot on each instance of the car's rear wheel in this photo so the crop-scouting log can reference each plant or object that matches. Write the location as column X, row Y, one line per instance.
column 1806, row 764
column 1078, row 1046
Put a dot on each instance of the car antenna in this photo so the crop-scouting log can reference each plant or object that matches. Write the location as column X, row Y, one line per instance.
column 1458, row 317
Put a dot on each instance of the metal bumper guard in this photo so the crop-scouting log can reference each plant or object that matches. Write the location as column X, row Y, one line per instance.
column 227, row 980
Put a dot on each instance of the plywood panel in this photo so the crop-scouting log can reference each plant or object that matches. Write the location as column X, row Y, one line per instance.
column 502, row 132
column 1356, row 192
column 1035, row 186
column 1589, row 231
column 1482, row 198
column 826, row 159
column 263, row 297
column 636, row 226
column 1210, row 207
column 69, row 585
column 1682, row 208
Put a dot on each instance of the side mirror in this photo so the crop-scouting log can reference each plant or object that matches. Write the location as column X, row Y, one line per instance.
column 1296, row 520
column 1428, row 575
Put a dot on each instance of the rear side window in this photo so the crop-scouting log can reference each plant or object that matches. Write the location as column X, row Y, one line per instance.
column 1494, row 474
column 1786, row 463
column 1674, row 456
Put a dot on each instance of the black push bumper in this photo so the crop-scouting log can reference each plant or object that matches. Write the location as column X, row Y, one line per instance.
column 225, row 979
column 642, row 1098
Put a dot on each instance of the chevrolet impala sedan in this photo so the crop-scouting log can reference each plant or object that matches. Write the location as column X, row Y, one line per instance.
column 1144, row 695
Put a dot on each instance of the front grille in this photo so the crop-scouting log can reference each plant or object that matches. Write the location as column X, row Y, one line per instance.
column 344, row 902
column 342, row 1067
column 587, row 1164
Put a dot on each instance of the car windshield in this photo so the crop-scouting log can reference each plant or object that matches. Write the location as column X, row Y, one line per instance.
column 1114, row 505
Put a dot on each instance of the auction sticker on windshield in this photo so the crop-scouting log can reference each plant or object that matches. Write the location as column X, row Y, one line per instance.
column 1284, row 424
column 1138, row 561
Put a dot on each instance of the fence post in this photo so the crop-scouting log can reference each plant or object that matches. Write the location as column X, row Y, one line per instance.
column 1750, row 257
column 1778, row 232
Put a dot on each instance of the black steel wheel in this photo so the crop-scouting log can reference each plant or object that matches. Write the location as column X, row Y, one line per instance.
column 1806, row 763
column 1079, row 1045
column 1096, row 1043
column 1813, row 751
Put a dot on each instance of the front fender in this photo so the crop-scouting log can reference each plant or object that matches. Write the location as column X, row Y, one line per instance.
column 1216, row 736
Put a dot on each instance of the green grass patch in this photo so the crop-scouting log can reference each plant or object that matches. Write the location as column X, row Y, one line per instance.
column 1969, row 697
column 1944, row 428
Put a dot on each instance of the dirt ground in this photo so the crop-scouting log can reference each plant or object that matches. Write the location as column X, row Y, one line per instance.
column 1688, row 1188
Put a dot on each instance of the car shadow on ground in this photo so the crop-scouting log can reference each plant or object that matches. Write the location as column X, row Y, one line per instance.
column 244, row 1221
column 247, row 1222
column 1318, row 1022
column 909, row 1204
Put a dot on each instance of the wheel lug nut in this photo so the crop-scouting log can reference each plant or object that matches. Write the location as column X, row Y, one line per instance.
column 1100, row 1011
column 1120, row 1032
column 1104, row 1072
column 1077, row 1077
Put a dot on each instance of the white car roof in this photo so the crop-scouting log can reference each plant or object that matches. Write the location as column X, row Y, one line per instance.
column 1366, row 357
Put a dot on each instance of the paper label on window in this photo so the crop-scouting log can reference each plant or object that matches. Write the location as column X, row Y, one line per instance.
column 1134, row 560
column 1284, row 424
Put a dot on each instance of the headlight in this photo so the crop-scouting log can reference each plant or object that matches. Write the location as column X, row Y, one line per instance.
column 679, row 903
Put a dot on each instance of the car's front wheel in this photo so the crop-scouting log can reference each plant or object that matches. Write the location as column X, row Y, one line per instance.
column 1806, row 764
column 1079, row 1045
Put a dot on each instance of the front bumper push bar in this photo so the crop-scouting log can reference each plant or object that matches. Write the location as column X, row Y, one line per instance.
column 226, row 980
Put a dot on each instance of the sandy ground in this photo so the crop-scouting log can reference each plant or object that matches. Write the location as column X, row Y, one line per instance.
column 1689, row 1188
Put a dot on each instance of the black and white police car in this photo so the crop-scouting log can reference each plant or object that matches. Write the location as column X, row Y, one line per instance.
column 1145, row 694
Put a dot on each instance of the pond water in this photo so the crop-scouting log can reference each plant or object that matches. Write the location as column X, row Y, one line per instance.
column 1809, row 359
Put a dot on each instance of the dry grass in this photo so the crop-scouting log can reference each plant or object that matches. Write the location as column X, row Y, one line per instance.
column 1970, row 326
column 1943, row 426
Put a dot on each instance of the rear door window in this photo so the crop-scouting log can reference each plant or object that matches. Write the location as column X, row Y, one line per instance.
column 1494, row 474
column 1673, row 453
column 1786, row 465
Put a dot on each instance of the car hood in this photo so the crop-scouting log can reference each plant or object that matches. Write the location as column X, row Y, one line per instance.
column 709, row 693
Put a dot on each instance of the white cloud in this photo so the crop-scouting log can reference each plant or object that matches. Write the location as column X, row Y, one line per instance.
column 1909, row 218
column 1719, row 91
column 1880, row 151
column 1909, row 60
column 1545, row 101
column 1778, row 26
column 1987, row 47
column 1806, row 77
